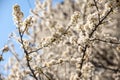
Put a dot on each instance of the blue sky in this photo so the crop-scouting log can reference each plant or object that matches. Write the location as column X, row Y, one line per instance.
column 6, row 21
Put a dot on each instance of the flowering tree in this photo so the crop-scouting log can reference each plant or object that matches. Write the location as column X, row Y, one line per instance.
column 76, row 40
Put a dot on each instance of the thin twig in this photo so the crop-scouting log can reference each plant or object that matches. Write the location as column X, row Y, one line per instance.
column 84, row 12
column 51, row 41
column 22, row 33
column 105, row 41
column 97, row 9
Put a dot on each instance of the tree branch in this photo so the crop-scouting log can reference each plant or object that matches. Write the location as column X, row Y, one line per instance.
column 90, row 35
column 26, row 53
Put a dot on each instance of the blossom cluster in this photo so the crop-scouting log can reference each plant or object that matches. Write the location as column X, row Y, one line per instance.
column 75, row 40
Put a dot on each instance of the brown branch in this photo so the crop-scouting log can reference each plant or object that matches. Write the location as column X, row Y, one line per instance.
column 105, row 41
column 26, row 53
column 100, row 22
column 105, row 67
column 90, row 35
